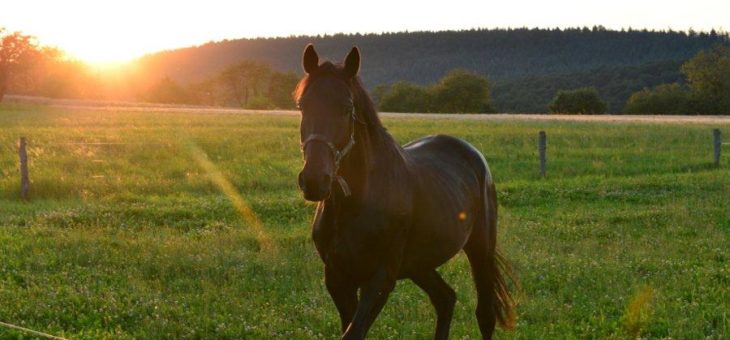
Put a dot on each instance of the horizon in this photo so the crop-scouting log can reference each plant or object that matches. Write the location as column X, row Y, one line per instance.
column 121, row 62
column 164, row 25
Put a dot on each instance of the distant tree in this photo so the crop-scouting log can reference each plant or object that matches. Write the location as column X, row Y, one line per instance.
column 670, row 99
column 207, row 92
column 14, row 49
column 708, row 75
column 461, row 91
column 245, row 80
column 280, row 89
column 406, row 97
column 167, row 91
column 579, row 101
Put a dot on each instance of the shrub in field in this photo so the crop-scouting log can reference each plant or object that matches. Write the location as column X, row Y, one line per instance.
column 670, row 99
column 459, row 91
column 405, row 97
column 579, row 101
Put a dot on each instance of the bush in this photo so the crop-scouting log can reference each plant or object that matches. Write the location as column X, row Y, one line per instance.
column 579, row 101
column 669, row 99
column 405, row 97
column 461, row 91
column 458, row 92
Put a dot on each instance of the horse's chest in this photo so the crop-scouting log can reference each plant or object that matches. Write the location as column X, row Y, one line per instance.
column 358, row 245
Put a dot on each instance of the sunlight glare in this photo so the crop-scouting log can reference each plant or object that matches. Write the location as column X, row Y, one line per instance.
column 238, row 202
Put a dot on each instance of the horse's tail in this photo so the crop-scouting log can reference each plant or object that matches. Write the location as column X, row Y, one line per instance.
column 489, row 268
column 499, row 267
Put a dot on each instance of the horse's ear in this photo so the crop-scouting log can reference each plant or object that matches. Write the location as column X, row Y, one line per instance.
column 310, row 59
column 352, row 63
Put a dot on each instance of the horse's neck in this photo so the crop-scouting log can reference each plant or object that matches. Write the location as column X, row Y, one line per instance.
column 374, row 157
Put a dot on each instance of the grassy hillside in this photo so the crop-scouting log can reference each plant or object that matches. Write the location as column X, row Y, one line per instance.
column 627, row 237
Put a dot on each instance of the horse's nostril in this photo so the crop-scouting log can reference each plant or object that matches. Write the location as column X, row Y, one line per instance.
column 314, row 184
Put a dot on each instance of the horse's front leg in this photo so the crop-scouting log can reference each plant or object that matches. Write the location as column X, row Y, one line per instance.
column 373, row 295
column 343, row 293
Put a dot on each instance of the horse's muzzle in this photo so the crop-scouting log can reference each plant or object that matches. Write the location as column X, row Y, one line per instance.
column 315, row 186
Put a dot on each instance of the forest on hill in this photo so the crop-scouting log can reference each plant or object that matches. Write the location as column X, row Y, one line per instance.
column 525, row 67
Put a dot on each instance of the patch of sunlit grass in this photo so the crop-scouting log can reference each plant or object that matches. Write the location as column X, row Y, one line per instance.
column 638, row 311
column 240, row 204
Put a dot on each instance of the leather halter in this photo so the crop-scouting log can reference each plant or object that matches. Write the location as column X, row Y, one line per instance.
column 338, row 154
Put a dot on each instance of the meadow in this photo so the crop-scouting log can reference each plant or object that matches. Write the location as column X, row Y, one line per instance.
column 190, row 225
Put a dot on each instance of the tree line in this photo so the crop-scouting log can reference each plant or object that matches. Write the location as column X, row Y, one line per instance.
column 705, row 89
column 26, row 68
column 29, row 69
column 248, row 84
column 696, row 84
column 525, row 66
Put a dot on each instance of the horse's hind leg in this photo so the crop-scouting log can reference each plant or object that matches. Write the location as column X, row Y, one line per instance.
column 442, row 297
column 480, row 267
column 343, row 293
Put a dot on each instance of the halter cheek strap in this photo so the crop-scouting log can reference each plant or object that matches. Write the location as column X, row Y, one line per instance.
column 338, row 154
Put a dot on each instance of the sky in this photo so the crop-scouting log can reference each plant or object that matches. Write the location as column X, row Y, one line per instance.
column 106, row 31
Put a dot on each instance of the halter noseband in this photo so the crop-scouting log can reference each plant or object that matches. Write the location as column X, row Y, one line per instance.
column 338, row 154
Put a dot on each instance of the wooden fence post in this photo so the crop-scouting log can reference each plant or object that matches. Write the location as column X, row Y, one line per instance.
column 717, row 142
column 24, row 179
column 542, row 148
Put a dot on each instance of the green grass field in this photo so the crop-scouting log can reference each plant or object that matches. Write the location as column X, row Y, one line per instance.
column 627, row 237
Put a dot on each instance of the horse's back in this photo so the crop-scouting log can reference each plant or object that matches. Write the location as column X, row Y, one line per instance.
column 449, row 191
column 449, row 149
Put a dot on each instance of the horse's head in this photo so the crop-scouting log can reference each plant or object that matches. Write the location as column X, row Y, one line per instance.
column 327, row 127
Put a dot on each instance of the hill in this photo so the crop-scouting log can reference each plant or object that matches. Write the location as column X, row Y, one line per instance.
column 513, row 59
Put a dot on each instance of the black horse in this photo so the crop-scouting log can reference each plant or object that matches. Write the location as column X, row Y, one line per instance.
column 387, row 212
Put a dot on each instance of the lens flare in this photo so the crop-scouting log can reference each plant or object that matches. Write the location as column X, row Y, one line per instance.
column 239, row 203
